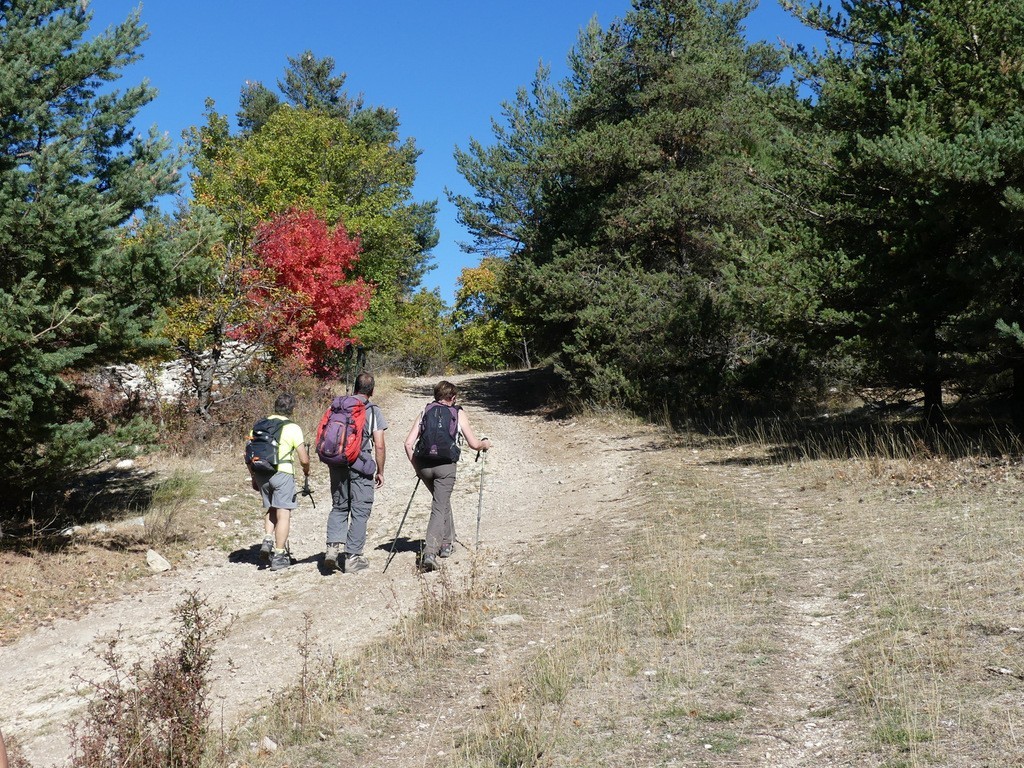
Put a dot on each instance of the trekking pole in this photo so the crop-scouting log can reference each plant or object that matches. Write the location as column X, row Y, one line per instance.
column 395, row 542
column 307, row 491
column 480, row 503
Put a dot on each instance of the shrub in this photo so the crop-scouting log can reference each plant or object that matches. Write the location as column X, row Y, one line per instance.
column 139, row 717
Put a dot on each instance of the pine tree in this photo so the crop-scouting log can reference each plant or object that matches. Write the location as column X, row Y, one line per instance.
column 922, row 194
column 72, row 171
column 622, row 196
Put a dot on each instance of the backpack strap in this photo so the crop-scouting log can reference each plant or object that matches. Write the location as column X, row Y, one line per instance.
column 277, row 436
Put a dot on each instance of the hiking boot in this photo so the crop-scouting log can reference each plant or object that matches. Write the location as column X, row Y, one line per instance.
column 331, row 557
column 266, row 551
column 447, row 550
column 280, row 561
column 356, row 563
column 429, row 563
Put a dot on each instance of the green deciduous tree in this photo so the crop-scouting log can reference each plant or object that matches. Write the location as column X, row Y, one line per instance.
column 314, row 148
column 72, row 171
column 483, row 334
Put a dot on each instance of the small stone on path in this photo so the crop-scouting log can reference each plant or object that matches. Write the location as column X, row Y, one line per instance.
column 157, row 562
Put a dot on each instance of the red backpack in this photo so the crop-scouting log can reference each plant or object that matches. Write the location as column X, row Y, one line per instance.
column 339, row 437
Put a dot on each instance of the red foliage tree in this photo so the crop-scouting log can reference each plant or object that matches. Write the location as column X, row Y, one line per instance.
column 310, row 305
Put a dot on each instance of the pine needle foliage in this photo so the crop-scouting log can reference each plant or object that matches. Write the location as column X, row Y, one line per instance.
column 73, row 170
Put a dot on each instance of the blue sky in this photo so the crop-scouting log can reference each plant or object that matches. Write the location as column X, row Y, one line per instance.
column 445, row 66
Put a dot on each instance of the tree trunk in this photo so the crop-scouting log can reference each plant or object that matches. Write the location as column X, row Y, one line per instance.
column 931, row 382
column 1017, row 395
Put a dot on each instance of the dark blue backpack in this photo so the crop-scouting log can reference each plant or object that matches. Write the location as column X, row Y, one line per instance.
column 439, row 430
column 261, row 449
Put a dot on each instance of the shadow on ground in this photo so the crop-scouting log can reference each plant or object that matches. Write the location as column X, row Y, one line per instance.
column 106, row 496
column 516, row 393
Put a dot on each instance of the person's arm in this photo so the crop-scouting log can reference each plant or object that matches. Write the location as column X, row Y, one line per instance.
column 3, row 752
column 303, row 456
column 414, row 433
column 379, row 454
column 471, row 439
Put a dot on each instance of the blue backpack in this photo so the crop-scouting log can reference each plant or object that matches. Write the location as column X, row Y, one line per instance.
column 261, row 449
column 439, row 431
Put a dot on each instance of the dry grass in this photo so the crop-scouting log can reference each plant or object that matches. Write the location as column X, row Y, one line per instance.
column 869, row 601
column 56, row 575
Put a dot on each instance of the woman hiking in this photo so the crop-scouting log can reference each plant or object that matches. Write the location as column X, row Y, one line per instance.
column 432, row 448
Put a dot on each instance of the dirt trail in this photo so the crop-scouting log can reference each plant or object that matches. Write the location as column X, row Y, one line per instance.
column 524, row 503
column 813, row 628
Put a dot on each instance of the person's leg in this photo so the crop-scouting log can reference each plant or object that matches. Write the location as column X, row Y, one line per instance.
column 361, row 497
column 262, row 484
column 442, row 484
column 448, row 523
column 337, row 518
column 282, row 526
column 280, row 514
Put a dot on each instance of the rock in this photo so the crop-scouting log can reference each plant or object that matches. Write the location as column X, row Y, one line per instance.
column 507, row 620
column 157, row 562
column 124, row 464
column 268, row 744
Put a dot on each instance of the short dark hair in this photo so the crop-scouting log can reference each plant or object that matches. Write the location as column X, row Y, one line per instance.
column 285, row 404
column 445, row 390
column 364, row 384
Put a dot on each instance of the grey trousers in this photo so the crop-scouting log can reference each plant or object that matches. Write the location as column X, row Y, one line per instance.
column 440, row 481
column 351, row 500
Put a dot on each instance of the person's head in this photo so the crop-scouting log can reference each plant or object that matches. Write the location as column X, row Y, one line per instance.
column 364, row 384
column 284, row 404
column 445, row 390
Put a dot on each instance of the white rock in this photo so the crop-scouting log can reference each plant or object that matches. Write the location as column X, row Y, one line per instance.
column 268, row 744
column 157, row 562
column 507, row 620
column 125, row 464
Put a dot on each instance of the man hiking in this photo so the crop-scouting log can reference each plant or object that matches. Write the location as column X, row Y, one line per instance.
column 432, row 448
column 353, row 480
column 277, row 486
